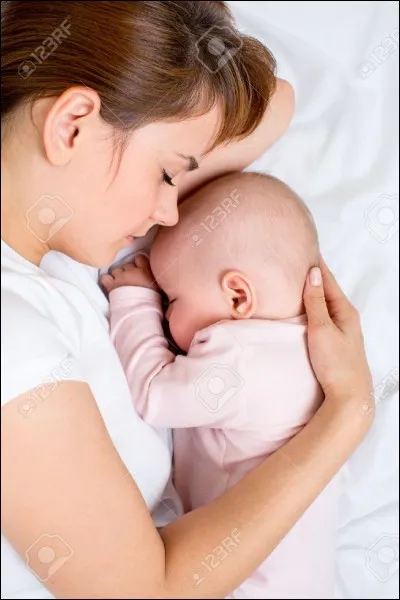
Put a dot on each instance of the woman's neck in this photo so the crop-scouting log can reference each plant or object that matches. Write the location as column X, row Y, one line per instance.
column 16, row 219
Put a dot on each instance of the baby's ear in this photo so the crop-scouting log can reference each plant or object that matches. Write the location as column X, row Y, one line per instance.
column 240, row 295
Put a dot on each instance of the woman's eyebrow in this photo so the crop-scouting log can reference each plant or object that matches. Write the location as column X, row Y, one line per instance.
column 193, row 164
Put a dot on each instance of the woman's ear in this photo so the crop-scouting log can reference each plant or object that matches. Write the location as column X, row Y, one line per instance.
column 240, row 295
column 64, row 122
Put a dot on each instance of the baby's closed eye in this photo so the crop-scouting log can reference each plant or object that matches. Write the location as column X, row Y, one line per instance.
column 164, row 301
column 169, row 309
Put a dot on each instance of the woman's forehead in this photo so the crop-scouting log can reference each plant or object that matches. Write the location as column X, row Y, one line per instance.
column 191, row 136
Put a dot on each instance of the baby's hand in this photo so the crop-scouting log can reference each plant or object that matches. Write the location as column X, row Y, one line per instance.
column 137, row 274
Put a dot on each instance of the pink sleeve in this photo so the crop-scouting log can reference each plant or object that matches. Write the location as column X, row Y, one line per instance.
column 200, row 389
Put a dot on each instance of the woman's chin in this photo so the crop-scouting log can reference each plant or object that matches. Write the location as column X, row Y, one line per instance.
column 102, row 258
column 105, row 258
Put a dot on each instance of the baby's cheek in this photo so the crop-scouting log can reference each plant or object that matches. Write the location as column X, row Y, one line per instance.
column 181, row 328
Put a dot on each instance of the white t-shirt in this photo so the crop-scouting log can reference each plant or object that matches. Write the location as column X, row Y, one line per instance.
column 55, row 327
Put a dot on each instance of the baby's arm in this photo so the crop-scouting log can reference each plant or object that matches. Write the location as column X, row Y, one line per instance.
column 168, row 391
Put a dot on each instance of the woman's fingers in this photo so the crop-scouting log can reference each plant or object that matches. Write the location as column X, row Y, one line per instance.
column 314, row 299
column 336, row 349
column 340, row 308
column 325, row 301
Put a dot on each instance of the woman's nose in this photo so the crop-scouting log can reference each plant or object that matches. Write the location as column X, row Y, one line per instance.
column 167, row 212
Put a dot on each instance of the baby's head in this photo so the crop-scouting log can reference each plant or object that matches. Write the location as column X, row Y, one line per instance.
column 242, row 249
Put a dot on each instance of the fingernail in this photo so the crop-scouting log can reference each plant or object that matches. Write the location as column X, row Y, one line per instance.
column 315, row 276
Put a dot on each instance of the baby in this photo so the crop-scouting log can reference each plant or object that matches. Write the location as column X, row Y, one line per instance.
column 233, row 270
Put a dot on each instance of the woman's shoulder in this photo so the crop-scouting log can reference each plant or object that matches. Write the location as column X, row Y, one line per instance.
column 35, row 350
column 41, row 333
column 59, row 294
column 31, row 302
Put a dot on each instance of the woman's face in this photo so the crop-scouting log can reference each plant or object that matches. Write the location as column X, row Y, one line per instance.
column 100, row 197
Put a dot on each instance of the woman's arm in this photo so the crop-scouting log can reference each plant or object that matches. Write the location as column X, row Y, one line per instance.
column 62, row 476
column 235, row 156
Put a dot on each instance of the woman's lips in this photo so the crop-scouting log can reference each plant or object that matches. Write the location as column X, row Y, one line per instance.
column 129, row 239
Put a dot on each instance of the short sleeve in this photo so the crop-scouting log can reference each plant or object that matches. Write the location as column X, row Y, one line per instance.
column 36, row 355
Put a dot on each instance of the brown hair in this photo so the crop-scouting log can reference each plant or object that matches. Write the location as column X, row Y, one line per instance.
column 148, row 61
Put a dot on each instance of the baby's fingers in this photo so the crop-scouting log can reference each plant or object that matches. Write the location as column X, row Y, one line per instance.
column 142, row 262
column 108, row 282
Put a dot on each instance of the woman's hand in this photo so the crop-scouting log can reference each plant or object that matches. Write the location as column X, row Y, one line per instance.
column 138, row 274
column 335, row 341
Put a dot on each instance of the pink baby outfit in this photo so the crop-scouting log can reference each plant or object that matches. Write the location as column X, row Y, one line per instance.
column 244, row 388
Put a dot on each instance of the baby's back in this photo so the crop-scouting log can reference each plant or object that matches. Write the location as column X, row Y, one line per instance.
column 266, row 374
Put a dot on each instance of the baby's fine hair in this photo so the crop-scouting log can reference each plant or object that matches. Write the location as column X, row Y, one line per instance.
column 252, row 217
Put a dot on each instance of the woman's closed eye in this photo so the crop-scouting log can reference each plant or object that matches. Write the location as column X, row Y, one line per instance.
column 167, row 178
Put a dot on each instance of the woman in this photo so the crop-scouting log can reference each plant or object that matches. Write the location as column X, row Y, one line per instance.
column 100, row 133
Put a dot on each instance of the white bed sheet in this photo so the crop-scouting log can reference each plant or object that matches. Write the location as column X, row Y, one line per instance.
column 341, row 155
